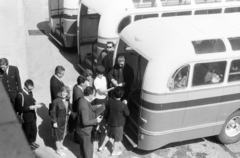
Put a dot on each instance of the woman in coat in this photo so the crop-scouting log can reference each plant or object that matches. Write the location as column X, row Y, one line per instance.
column 59, row 116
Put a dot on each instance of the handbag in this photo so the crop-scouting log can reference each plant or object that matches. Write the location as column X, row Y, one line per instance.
column 20, row 119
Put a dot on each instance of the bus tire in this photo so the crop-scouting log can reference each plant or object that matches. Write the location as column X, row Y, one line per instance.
column 230, row 132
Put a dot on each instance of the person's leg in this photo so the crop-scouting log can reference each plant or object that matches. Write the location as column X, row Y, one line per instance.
column 81, row 142
column 58, row 148
column 33, row 134
column 27, row 130
column 118, row 134
column 116, row 150
column 102, row 147
column 87, row 147
column 64, row 135
column 58, row 145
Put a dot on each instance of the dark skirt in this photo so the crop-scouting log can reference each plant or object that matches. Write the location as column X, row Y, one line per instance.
column 61, row 131
column 116, row 133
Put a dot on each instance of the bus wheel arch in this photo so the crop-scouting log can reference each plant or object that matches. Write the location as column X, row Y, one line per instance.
column 230, row 132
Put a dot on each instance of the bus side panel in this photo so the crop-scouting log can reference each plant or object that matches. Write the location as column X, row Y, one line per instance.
column 201, row 113
column 163, row 115
column 230, row 103
column 150, row 142
column 161, row 121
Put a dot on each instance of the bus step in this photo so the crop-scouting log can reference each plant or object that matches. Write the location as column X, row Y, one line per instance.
column 88, row 62
column 130, row 140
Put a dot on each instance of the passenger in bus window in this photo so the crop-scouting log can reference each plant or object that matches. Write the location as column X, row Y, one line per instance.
column 235, row 67
column 180, row 81
column 181, row 78
column 105, row 58
column 214, row 74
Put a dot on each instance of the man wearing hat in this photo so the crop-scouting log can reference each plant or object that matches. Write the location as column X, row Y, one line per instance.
column 122, row 75
column 100, row 84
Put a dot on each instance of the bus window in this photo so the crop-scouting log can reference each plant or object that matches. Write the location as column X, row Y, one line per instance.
column 180, row 78
column 231, row 0
column 144, row 3
column 209, row 46
column 232, row 10
column 208, row 73
column 234, row 74
column 140, row 17
column 177, row 14
column 235, row 43
column 175, row 2
column 125, row 22
column 210, row 11
column 207, row 1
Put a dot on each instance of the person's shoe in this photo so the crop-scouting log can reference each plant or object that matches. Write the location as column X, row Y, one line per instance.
column 102, row 149
column 35, row 144
column 60, row 153
column 117, row 153
column 64, row 148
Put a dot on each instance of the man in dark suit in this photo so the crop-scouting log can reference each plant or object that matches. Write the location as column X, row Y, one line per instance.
column 55, row 82
column 77, row 95
column 105, row 58
column 10, row 79
column 86, row 121
column 25, row 107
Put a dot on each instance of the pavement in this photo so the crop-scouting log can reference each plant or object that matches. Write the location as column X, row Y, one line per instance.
column 37, row 56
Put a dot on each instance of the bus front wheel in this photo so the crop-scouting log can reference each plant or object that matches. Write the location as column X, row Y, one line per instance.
column 231, row 129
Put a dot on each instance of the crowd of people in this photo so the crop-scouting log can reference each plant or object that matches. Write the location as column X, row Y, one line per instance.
column 98, row 103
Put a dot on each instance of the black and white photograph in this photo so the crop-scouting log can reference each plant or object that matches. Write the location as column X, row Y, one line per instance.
column 120, row 78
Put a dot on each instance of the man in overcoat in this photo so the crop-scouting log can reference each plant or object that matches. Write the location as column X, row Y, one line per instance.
column 11, row 79
column 86, row 121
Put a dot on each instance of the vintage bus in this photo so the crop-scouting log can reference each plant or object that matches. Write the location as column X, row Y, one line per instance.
column 186, row 79
column 75, row 22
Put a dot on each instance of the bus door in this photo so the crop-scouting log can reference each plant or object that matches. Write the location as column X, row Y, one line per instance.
column 138, row 63
column 88, row 24
column 55, row 20
column 203, row 100
column 87, row 34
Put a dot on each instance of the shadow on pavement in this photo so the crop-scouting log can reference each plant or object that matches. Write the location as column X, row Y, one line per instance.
column 45, row 128
column 137, row 151
column 45, row 132
column 70, row 54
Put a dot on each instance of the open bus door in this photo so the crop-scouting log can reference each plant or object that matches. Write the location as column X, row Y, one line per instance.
column 63, row 21
column 87, row 32
column 55, row 20
column 139, row 64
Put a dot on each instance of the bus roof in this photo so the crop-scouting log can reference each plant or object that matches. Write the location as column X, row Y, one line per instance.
column 169, row 40
column 108, row 6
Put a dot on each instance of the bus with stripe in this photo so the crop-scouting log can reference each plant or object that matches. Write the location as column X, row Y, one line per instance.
column 186, row 79
column 75, row 23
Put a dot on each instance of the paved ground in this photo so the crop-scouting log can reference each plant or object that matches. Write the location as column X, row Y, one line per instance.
column 37, row 56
